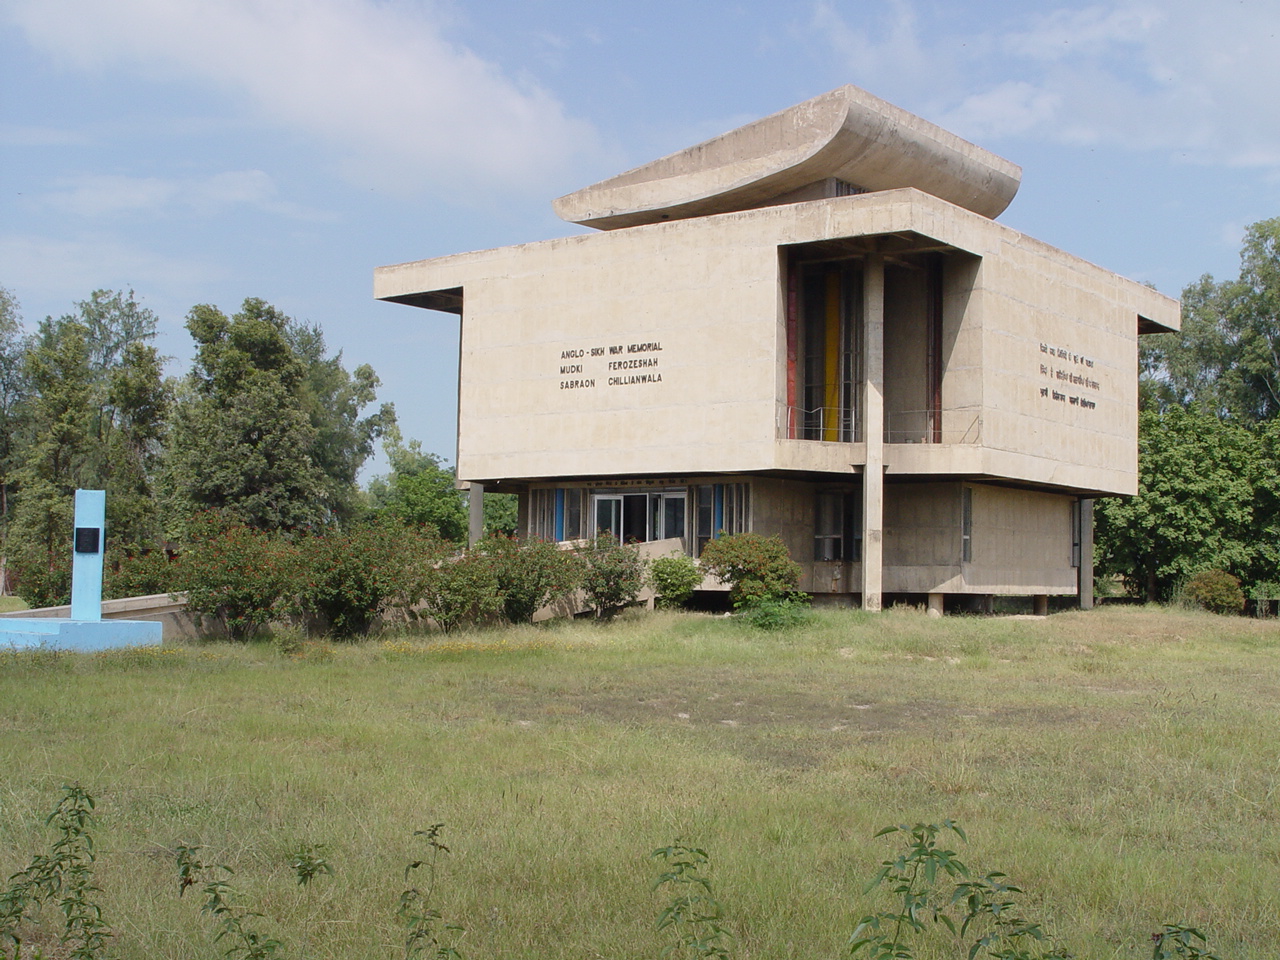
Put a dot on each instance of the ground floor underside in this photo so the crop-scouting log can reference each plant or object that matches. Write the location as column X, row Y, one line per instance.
column 952, row 544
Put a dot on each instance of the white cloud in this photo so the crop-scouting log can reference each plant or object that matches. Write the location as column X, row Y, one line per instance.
column 109, row 195
column 405, row 108
column 1194, row 80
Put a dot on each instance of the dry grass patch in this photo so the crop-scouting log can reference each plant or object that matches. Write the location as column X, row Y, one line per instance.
column 1122, row 764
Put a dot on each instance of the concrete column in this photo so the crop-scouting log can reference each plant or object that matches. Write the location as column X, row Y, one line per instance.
column 935, row 604
column 1086, row 555
column 475, row 513
column 873, row 431
column 1040, row 604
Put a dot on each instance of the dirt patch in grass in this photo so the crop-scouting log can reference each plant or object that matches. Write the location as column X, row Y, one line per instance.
column 746, row 703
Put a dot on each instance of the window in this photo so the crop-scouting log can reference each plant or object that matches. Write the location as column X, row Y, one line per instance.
column 556, row 514
column 828, row 310
column 721, row 508
column 966, row 524
column 651, row 515
column 542, row 514
column 837, row 531
column 1075, row 533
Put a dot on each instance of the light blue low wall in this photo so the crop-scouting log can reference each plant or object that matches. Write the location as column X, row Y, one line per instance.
column 82, row 635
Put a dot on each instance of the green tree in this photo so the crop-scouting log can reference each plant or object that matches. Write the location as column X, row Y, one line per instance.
column 350, row 577
column 335, row 401
column 235, row 575
column 460, row 590
column 1196, row 507
column 674, row 578
column 420, row 489
column 55, row 461
column 242, row 439
column 129, row 408
column 13, row 392
column 1226, row 358
column 501, row 513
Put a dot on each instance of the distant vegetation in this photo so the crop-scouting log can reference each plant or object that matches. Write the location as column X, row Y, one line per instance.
column 267, row 431
column 1209, row 458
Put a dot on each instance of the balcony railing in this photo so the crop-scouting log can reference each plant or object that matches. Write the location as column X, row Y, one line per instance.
column 958, row 425
column 820, row 423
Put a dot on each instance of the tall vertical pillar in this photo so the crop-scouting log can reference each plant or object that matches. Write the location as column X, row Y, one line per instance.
column 475, row 513
column 873, row 431
column 1086, row 555
column 88, row 545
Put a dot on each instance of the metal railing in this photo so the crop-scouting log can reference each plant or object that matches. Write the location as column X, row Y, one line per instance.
column 959, row 425
column 820, row 423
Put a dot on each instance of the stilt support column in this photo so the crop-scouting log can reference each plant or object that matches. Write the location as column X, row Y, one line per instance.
column 873, row 432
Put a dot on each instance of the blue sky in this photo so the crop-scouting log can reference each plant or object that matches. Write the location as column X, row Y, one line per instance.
column 204, row 151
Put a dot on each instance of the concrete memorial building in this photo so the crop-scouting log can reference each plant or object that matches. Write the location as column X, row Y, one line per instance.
column 813, row 327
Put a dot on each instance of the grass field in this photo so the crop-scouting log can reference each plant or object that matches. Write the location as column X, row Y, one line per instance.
column 1122, row 765
column 9, row 604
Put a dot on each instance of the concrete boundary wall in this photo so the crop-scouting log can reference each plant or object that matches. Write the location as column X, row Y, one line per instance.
column 169, row 611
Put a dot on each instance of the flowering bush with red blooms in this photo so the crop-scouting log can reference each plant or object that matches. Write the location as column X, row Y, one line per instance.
column 530, row 573
column 236, row 575
column 460, row 591
column 139, row 574
column 349, row 578
column 756, row 568
column 613, row 575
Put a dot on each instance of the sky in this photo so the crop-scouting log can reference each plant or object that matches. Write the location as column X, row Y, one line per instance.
column 206, row 151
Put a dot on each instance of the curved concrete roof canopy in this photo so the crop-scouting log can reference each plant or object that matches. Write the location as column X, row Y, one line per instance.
column 846, row 135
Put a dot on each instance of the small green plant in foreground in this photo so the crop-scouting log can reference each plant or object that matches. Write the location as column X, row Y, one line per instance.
column 63, row 876
column 424, row 924
column 933, row 896
column 917, row 877
column 694, row 914
column 308, row 862
column 1176, row 942
column 245, row 943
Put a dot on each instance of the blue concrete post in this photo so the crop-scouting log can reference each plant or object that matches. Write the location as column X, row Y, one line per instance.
column 86, row 560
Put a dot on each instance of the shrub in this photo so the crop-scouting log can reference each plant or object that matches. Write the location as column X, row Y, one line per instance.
column 530, row 574
column 349, row 578
column 754, row 567
column 140, row 574
column 613, row 576
column 674, row 578
column 460, row 590
column 1215, row 590
column 42, row 581
column 776, row 613
column 237, row 575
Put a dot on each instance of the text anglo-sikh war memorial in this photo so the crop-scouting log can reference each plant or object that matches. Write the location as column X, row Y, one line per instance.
column 814, row 327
